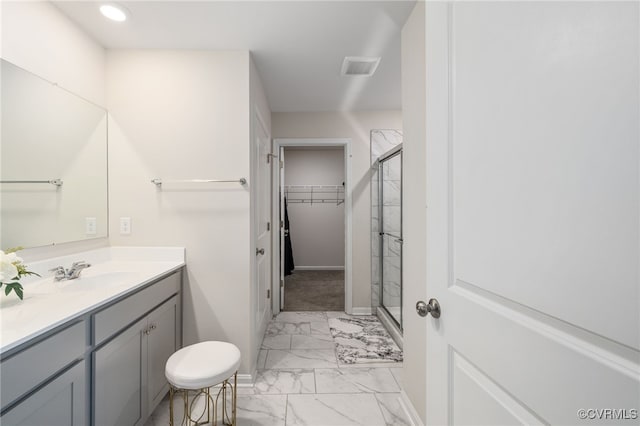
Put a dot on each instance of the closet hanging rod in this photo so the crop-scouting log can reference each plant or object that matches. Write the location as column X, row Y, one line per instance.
column 314, row 186
column 158, row 181
column 302, row 189
column 320, row 200
column 328, row 191
column 56, row 182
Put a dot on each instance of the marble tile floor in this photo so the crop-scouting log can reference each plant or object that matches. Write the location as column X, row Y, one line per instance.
column 301, row 382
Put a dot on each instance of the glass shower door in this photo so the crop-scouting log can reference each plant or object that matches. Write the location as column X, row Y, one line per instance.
column 390, row 216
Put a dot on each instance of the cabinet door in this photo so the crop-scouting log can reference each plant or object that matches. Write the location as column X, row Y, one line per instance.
column 119, row 375
column 59, row 403
column 162, row 342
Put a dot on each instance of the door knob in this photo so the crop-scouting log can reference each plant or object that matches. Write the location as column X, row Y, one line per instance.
column 424, row 309
column 259, row 251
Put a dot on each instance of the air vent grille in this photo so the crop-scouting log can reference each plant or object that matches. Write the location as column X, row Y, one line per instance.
column 359, row 66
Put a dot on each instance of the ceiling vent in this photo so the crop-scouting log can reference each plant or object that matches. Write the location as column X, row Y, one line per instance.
column 360, row 65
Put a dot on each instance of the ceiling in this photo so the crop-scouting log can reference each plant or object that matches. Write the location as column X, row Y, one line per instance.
column 298, row 46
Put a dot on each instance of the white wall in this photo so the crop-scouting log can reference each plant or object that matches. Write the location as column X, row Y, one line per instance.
column 414, row 207
column 356, row 126
column 38, row 38
column 317, row 231
column 185, row 115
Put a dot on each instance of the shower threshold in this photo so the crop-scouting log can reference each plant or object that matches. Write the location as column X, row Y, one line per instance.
column 390, row 324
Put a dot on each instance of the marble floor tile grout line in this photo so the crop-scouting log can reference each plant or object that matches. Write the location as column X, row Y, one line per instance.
column 286, row 408
column 315, row 380
column 395, row 378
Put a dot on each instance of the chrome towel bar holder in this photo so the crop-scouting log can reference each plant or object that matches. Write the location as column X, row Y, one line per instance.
column 158, row 181
column 56, row 182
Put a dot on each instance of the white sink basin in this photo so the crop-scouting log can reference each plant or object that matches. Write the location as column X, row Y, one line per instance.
column 97, row 281
column 87, row 282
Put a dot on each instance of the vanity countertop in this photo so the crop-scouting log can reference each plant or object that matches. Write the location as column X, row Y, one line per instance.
column 114, row 272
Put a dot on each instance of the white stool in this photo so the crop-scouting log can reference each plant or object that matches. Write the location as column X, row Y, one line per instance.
column 199, row 367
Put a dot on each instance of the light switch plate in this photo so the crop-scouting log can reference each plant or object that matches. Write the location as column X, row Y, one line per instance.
column 90, row 225
column 125, row 226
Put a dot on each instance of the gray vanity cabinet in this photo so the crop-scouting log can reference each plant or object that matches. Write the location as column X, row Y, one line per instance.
column 129, row 378
column 60, row 402
column 105, row 367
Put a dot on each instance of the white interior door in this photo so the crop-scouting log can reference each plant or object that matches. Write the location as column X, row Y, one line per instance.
column 263, row 224
column 532, row 212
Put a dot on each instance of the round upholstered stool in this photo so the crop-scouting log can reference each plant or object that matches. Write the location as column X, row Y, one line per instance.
column 198, row 368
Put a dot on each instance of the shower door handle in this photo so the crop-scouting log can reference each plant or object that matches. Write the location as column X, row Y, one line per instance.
column 396, row 239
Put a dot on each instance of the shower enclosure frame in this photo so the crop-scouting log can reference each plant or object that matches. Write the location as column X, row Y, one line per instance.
column 394, row 152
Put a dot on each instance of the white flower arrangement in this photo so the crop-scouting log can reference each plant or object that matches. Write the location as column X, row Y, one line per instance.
column 11, row 270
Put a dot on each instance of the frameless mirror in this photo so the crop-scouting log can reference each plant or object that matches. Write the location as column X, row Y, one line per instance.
column 53, row 163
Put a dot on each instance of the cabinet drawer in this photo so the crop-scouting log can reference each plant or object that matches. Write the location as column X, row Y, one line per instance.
column 27, row 369
column 116, row 317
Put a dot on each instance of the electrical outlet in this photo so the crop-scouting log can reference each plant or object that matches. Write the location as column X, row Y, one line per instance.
column 125, row 226
column 90, row 225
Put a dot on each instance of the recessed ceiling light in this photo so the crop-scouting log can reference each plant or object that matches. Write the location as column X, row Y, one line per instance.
column 113, row 12
column 360, row 65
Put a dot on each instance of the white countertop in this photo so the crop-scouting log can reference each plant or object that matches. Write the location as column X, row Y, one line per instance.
column 47, row 304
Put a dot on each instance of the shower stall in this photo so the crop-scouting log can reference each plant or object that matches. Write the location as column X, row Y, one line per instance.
column 390, row 233
column 386, row 230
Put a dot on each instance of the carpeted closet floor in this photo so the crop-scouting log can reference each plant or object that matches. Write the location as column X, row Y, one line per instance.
column 314, row 291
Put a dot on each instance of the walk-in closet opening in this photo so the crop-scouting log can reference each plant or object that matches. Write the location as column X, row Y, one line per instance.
column 312, row 195
column 314, row 228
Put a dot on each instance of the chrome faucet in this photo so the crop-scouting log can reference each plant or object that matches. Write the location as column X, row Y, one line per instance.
column 76, row 268
column 60, row 273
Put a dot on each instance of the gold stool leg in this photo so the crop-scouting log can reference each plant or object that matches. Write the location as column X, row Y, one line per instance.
column 171, row 391
column 208, row 393
column 224, row 412
column 187, row 414
column 234, row 396
column 224, row 402
column 216, row 402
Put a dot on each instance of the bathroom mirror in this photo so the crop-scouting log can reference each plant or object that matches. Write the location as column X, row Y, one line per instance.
column 53, row 163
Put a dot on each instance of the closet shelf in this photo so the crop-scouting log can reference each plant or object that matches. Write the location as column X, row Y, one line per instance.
column 310, row 194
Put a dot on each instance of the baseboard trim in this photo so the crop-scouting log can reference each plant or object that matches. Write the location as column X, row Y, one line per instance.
column 409, row 409
column 361, row 311
column 246, row 380
column 319, row 268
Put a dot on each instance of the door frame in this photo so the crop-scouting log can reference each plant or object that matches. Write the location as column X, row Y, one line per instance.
column 345, row 143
